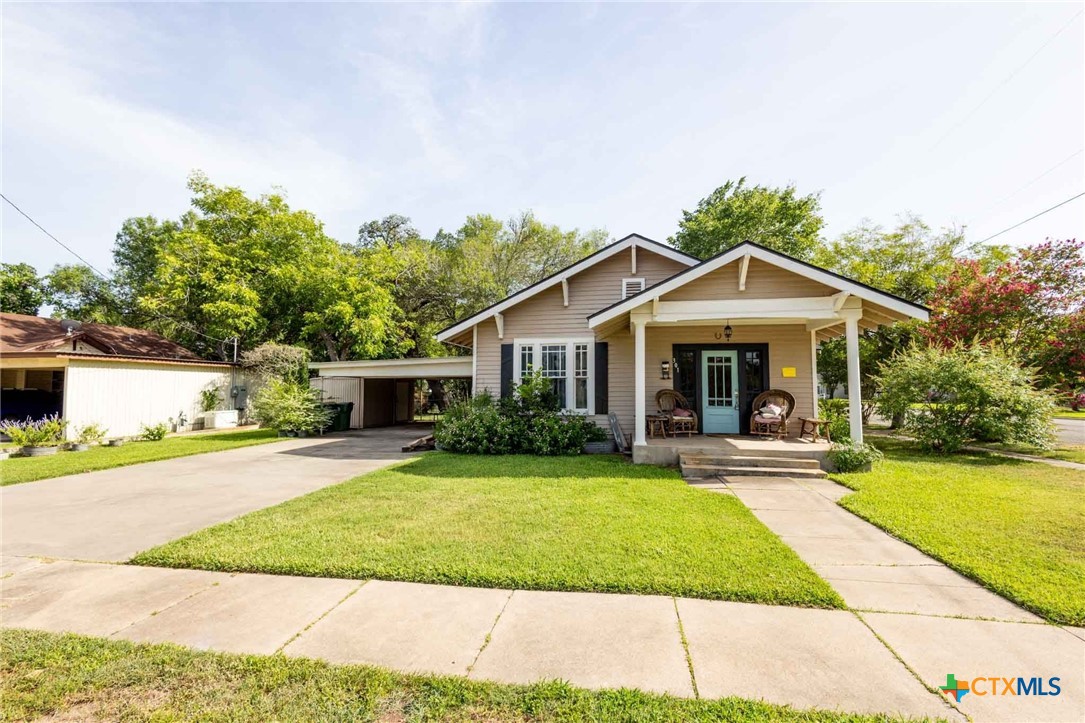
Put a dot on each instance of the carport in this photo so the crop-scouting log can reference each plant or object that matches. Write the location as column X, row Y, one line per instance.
column 383, row 390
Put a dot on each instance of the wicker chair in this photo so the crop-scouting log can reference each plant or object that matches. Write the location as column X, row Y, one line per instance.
column 667, row 400
column 767, row 427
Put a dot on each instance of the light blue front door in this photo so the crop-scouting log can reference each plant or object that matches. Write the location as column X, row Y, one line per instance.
column 719, row 391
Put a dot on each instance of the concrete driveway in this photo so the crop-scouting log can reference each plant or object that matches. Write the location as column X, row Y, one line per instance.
column 111, row 515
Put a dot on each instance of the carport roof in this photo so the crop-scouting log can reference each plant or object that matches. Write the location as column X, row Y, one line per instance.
column 445, row 367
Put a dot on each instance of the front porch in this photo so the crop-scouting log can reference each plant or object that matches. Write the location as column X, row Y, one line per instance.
column 668, row 450
column 737, row 325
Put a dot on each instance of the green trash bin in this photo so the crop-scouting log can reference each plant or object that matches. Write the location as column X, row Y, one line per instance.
column 342, row 419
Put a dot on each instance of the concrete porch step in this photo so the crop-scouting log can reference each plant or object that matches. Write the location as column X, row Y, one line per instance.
column 692, row 472
column 749, row 461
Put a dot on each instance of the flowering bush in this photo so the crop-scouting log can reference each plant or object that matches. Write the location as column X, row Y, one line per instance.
column 526, row 423
column 853, row 457
column 950, row 397
column 289, row 406
column 1032, row 307
column 45, row 432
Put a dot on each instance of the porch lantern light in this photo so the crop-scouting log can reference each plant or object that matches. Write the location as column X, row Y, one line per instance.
column 665, row 369
column 728, row 331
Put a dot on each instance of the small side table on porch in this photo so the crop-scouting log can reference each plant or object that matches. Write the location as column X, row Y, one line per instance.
column 816, row 428
column 683, row 424
column 656, row 422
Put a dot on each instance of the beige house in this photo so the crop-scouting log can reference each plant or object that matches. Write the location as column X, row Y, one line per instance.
column 115, row 376
column 638, row 316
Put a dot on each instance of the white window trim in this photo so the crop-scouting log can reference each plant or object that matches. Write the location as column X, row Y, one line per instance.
column 570, row 343
column 637, row 279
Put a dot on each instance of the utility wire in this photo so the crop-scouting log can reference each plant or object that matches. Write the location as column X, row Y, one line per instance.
column 66, row 246
column 1060, row 164
column 105, row 277
column 1005, row 80
column 1041, row 213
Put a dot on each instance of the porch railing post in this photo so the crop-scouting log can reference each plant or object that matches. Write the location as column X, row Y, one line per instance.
column 640, row 413
column 855, row 393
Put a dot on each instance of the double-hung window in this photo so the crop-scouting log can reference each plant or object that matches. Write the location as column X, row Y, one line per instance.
column 567, row 363
column 553, row 367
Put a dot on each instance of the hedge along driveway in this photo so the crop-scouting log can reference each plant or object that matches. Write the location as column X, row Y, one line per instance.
column 543, row 523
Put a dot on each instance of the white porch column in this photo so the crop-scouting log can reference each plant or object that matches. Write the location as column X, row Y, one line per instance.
column 814, row 372
column 855, row 394
column 640, row 412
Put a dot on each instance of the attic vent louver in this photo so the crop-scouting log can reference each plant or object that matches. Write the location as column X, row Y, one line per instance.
column 631, row 287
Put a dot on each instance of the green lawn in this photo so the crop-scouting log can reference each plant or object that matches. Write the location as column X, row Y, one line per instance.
column 1066, row 413
column 575, row 523
column 1017, row 527
column 28, row 469
column 69, row 677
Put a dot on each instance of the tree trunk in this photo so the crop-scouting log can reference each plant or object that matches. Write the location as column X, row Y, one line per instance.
column 329, row 346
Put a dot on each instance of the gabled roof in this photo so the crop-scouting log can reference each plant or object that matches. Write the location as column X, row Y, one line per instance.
column 22, row 334
column 586, row 262
column 802, row 268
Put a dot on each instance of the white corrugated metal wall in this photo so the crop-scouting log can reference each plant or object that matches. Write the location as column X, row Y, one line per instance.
column 342, row 390
column 122, row 396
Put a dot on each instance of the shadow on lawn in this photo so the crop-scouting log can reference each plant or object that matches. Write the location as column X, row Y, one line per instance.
column 349, row 449
column 447, row 465
column 908, row 451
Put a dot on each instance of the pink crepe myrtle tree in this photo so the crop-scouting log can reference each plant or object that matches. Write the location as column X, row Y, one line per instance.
column 1033, row 307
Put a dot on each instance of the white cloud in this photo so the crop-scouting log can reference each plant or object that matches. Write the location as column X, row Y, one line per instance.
column 57, row 104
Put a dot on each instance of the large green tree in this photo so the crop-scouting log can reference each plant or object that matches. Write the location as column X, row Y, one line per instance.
column 76, row 291
column 255, row 269
column 909, row 260
column 778, row 218
column 437, row 281
column 21, row 290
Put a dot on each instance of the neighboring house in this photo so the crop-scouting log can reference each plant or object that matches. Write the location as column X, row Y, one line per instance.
column 638, row 316
column 116, row 376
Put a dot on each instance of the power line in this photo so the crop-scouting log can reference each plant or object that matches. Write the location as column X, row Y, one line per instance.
column 1030, row 218
column 1006, row 80
column 1060, row 164
column 66, row 246
column 106, row 278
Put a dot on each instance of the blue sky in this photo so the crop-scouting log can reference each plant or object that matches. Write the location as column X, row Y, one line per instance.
column 594, row 115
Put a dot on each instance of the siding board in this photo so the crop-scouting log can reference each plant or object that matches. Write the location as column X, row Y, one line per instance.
column 596, row 288
column 789, row 346
column 121, row 397
column 546, row 315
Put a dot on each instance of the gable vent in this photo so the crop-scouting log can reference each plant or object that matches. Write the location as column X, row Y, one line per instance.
column 631, row 286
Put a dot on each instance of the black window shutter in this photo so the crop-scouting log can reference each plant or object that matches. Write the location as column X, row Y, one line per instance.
column 601, row 367
column 506, row 370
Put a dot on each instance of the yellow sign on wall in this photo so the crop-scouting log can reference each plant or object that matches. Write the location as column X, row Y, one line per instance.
column 789, row 371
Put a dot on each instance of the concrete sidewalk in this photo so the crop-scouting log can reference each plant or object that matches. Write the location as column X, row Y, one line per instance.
column 937, row 621
column 801, row 657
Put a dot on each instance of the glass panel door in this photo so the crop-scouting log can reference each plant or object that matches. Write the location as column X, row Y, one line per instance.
column 719, row 369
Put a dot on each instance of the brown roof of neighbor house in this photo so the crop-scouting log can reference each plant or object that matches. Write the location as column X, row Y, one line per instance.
column 21, row 334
